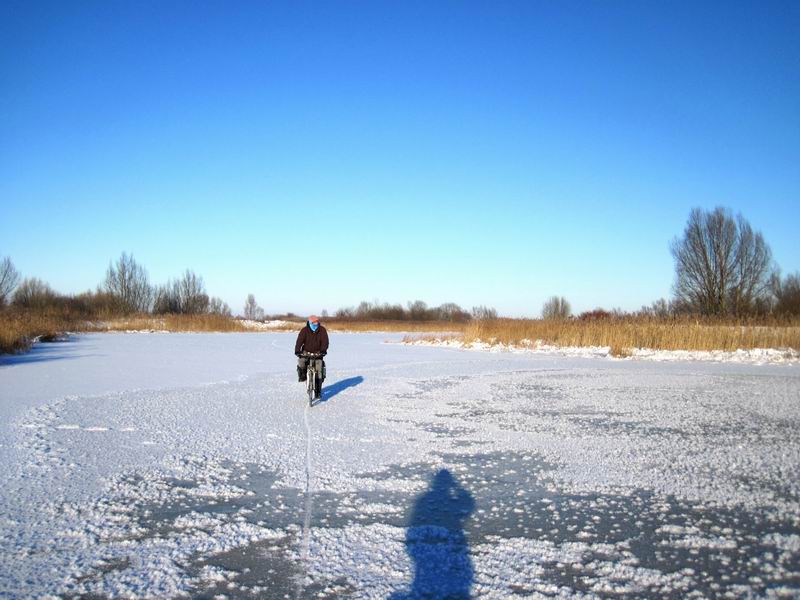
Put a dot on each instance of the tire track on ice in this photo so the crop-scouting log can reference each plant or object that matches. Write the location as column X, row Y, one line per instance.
column 309, row 505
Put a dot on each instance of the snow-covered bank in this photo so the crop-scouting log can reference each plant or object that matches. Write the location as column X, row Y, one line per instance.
column 756, row 356
column 160, row 466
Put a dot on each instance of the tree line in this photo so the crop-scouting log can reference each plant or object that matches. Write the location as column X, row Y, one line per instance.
column 723, row 268
column 126, row 290
column 413, row 311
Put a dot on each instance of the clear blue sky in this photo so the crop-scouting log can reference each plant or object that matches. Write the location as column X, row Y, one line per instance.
column 317, row 154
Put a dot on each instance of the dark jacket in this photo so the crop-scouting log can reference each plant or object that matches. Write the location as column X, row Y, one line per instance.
column 312, row 341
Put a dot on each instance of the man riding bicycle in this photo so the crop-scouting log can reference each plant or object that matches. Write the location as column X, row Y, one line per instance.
column 313, row 339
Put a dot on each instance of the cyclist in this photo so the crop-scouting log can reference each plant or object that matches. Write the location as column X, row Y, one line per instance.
column 312, row 338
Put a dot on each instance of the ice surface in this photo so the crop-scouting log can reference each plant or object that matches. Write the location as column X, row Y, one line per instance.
column 155, row 465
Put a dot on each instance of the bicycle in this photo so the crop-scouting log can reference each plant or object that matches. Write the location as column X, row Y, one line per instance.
column 313, row 376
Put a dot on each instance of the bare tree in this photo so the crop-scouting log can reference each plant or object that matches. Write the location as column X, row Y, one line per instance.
column 346, row 313
column 365, row 310
column 483, row 313
column 129, row 283
column 418, row 311
column 450, row 311
column 721, row 265
column 167, row 299
column 660, row 309
column 192, row 294
column 9, row 278
column 217, row 307
column 34, row 293
column 186, row 295
column 752, row 269
column 252, row 310
column 556, row 307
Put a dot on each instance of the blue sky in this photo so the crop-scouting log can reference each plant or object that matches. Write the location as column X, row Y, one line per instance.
column 317, row 154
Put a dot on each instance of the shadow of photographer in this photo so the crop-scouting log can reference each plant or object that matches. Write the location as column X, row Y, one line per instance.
column 436, row 542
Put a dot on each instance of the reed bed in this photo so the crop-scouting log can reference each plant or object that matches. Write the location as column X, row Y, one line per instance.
column 211, row 323
column 18, row 331
column 624, row 334
column 394, row 326
column 175, row 323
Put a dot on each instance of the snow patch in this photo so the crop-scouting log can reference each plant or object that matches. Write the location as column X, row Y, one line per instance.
column 756, row 356
column 267, row 325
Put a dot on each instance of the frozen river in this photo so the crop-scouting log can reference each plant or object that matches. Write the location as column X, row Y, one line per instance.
column 164, row 465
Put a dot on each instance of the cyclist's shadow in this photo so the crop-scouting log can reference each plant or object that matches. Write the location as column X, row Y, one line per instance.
column 436, row 542
column 330, row 391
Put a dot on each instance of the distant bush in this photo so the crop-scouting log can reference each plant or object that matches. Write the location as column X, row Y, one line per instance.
column 483, row 313
column 787, row 294
column 415, row 311
column 659, row 309
column 217, row 307
column 418, row 311
column 167, row 299
column 184, row 296
column 597, row 314
column 194, row 299
column 252, row 310
column 94, row 305
column 452, row 312
column 556, row 307
column 34, row 294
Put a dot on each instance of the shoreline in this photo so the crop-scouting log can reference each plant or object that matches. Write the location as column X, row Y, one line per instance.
column 755, row 356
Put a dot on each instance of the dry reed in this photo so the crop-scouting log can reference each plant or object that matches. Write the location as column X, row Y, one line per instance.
column 395, row 326
column 622, row 335
column 175, row 323
column 19, row 330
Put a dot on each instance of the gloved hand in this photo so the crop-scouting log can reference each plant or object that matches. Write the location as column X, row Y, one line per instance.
column 298, row 354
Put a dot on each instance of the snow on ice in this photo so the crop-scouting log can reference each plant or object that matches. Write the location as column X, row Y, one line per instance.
column 173, row 465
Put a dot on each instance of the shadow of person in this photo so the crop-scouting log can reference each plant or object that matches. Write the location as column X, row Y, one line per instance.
column 436, row 542
column 330, row 391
